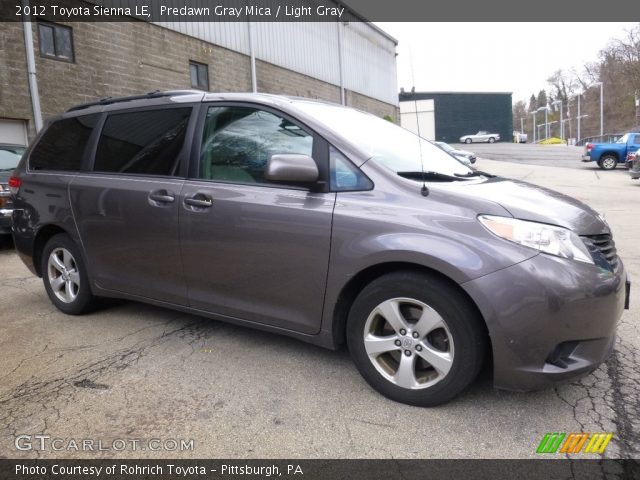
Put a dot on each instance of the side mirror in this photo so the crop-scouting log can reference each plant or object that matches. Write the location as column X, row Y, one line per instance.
column 292, row 168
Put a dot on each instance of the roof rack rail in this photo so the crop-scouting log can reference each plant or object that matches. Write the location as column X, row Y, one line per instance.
column 145, row 96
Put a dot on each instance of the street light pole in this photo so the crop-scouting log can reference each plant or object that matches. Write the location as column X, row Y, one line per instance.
column 533, row 127
column 546, row 123
column 601, row 108
column 637, row 109
column 561, row 119
column 579, row 95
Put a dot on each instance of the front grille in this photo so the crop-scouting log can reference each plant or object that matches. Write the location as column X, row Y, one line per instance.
column 605, row 245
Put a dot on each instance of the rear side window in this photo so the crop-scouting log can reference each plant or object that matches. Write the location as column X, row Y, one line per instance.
column 63, row 144
column 144, row 142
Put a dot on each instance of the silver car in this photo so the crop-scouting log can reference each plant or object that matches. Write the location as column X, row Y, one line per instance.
column 481, row 136
column 634, row 167
column 465, row 156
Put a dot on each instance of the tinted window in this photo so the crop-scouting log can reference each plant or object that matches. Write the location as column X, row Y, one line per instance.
column 238, row 142
column 345, row 176
column 62, row 145
column 146, row 142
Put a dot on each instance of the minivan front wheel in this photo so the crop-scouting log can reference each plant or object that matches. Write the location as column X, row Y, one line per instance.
column 415, row 338
column 64, row 276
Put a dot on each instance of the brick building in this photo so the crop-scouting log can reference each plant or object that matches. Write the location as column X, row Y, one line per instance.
column 77, row 62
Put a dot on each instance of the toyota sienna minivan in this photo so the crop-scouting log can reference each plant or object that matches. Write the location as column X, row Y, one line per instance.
column 322, row 223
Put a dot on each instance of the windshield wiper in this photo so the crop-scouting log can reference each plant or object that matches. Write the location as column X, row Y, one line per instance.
column 430, row 175
column 474, row 173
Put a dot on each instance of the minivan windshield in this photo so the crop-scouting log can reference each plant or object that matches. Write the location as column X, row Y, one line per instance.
column 386, row 143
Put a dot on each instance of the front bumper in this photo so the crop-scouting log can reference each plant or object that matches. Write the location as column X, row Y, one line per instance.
column 586, row 158
column 549, row 319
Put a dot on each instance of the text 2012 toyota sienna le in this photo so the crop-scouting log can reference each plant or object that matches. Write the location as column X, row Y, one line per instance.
column 323, row 223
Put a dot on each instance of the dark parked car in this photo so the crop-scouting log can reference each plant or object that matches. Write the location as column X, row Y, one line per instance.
column 325, row 224
column 9, row 157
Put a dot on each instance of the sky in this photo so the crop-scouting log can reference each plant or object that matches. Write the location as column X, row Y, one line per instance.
column 494, row 57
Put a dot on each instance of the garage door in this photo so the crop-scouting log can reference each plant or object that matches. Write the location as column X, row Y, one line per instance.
column 13, row 131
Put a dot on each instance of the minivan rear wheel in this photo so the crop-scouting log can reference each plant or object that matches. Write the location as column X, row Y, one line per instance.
column 415, row 338
column 65, row 276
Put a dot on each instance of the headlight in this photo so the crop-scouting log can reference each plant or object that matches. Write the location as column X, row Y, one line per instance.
column 546, row 238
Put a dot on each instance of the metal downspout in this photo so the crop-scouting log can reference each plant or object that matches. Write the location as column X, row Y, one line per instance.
column 31, row 69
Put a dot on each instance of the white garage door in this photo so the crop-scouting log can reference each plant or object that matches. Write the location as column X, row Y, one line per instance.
column 13, row 131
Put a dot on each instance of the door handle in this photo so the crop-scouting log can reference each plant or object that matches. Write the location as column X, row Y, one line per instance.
column 199, row 200
column 162, row 196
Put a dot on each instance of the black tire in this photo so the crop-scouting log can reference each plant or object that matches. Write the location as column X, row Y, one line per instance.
column 464, row 323
column 468, row 140
column 492, row 140
column 608, row 162
column 82, row 300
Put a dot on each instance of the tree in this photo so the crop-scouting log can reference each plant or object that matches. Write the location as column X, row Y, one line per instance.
column 541, row 101
column 533, row 103
column 519, row 112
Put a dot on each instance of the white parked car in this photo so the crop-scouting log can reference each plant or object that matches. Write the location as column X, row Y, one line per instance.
column 481, row 136
column 464, row 156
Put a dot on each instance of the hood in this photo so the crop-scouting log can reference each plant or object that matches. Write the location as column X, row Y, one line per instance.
column 534, row 203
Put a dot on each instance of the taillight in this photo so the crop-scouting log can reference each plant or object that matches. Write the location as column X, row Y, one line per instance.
column 14, row 185
column 589, row 147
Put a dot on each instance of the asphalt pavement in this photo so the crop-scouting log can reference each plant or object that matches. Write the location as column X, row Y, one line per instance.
column 530, row 154
column 132, row 371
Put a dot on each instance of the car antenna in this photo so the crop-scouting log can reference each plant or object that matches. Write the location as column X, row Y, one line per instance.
column 424, row 190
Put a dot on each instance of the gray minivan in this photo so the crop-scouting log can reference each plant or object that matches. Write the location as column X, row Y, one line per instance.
column 325, row 224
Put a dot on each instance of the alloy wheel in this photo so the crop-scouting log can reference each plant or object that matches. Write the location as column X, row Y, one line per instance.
column 63, row 275
column 408, row 343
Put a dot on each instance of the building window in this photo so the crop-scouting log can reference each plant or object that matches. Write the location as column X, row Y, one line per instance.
column 56, row 41
column 199, row 75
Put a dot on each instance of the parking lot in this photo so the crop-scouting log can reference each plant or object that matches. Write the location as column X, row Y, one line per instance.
column 132, row 371
column 530, row 154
